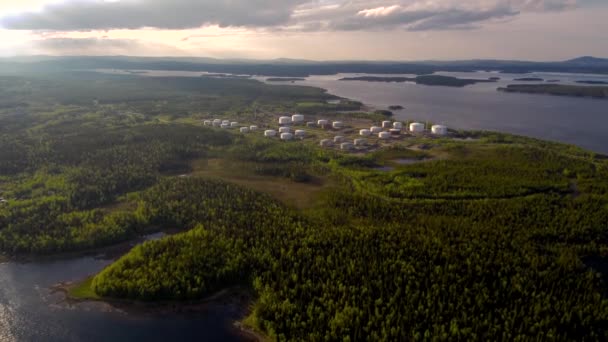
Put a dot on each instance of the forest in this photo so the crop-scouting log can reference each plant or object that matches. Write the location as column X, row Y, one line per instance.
column 485, row 237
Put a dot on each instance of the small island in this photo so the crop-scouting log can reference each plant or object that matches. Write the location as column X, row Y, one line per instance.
column 431, row 80
column 529, row 79
column 396, row 107
column 285, row 79
column 557, row 89
column 592, row 82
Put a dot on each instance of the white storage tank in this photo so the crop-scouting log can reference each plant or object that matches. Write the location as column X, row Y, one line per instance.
column 398, row 125
column 270, row 133
column 387, row 124
column 225, row 126
column 375, row 129
column 439, row 130
column 207, row 122
column 297, row 118
column 284, row 130
column 338, row 125
column 253, row 128
column 365, row 132
column 244, row 130
column 226, row 122
column 323, row 123
column 326, row 143
column 217, row 123
column 234, row 124
column 394, row 131
column 346, row 146
column 384, row 135
column 360, row 142
column 286, row 136
column 338, row 139
column 416, row 127
column 284, row 120
column 300, row 133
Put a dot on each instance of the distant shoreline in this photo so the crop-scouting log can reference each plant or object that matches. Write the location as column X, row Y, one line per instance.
column 558, row 90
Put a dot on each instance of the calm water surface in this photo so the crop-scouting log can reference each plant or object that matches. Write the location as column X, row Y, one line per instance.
column 579, row 121
column 30, row 312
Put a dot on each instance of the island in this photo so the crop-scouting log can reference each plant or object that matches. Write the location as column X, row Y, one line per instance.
column 416, row 236
column 395, row 107
column 592, row 82
column 529, row 79
column 431, row 80
column 285, row 79
column 558, row 89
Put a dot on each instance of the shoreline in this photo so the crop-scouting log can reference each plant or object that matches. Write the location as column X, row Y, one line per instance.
column 238, row 296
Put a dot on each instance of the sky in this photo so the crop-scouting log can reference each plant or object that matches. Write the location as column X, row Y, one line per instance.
column 545, row 30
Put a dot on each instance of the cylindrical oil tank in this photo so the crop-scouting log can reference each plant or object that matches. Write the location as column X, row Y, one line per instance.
column 300, row 133
column 338, row 125
column 439, row 129
column 338, row 139
column 207, row 122
column 384, row 135
column 416, row 127
column 346, row 146
column 323, row 123
column 375, row 129
column 394, row 131
column 234, row 124
column 253, row 128
column 387, row 124
column 297, row 118
column 225, row 126
column 398, row 125
column 284, row 130
column 360, row 142
column 365, row 132
column 270, row 133
column 244, row 129
column 286, row 136
column 284, row 120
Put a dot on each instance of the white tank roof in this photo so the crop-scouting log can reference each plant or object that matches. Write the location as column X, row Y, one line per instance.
column 286, row 136
column 416, row 127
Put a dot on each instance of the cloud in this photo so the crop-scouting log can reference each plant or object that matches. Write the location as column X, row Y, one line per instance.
column 288, row 15
column 101, row 46
column 166, row 14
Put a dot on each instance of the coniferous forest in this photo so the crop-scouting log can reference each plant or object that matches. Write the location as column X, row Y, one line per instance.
column 496, row 238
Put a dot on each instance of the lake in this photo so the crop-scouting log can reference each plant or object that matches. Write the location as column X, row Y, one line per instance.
column 579, row 121
column 30, row 312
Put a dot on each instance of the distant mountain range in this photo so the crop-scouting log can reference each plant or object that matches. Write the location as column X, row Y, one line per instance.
column 292, row 67
column 588, row 60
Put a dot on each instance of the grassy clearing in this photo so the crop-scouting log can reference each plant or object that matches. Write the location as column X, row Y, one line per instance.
column 83, row 291
column 291, row 193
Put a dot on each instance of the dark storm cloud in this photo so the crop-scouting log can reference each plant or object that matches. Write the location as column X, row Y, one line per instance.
column 167, row 14
column 302, row 15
